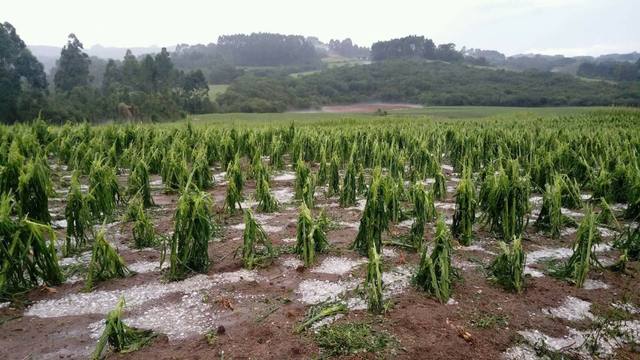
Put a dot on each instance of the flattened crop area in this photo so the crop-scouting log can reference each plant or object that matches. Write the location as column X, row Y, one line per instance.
column 234, row 312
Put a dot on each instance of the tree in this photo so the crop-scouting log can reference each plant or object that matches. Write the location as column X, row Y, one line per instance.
column 130, row 68
column 73, row 66
column 22, row 79
column 112, row 76
column 164, row 69
column 148, row 75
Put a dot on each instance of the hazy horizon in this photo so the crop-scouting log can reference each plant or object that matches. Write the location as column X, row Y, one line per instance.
column 568, row 27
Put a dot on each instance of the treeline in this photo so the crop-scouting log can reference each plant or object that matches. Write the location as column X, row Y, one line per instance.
column 414, row 47
column 617, row 71
column 348, row 49
column 227, row 59
column 149, row 89
column 422, row 82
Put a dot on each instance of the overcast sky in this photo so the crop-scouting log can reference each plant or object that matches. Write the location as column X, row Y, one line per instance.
column 570, row 27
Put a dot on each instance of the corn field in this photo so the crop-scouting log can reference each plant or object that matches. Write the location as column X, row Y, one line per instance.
column 324, row 221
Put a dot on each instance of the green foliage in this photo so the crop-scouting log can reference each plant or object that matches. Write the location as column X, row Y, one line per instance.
column 201, row 175
column 174, row 171
column 375, row 299
column 629, row 242
column 486, row 320
column 375, row 218
column 351, row 339
column 122, row 338
column 550, row 217
column 23, row 78
column 508, row 268
column 439, row 186
column 361, row 183
column 321, row 311
column 583, row 257
column 234, row 187
column 26, row 259
column 253, row 237
column 434, row 274
column 73, row 66
column 465, row 214
column 394, row 194
column 133, row 209
column 10, row 170
column 308, row 191
column 570, row 193
column 412, row 80
column 144, row 235
column 606, row 215
column 348, row 194
column 78, row 215
column 305, row 236
column 103, row 188
column 138, row 183
column 266, row 201
column 334, row 176
column 105, row 262
column 423, row 211
column 504, row 198
column 323, row 172
column 194, row 227
column 33, row 191
column 302, row 179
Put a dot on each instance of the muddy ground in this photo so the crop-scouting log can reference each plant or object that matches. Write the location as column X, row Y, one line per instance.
column 252, row 314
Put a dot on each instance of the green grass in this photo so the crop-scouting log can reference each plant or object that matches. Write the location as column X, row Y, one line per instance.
column 422, row 114
column 469, row 112
column 485, row 320
column 349, row 339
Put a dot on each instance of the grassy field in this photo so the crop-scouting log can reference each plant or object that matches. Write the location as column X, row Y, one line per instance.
column 423, row 114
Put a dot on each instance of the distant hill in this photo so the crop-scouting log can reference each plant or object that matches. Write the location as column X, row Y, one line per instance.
column 422, row 82
column 553, row 63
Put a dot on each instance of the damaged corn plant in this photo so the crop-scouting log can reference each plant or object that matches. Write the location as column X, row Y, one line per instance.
column 234, row 187
column 465, row 214
column 34, row 187
column 138, row 183
column 144, row 235
column 508, row 268
column 27, row 252
column 375, row 218
column 423, row 212
column 119, row 336
column 78, row 215
column 256, row 246
column 551, row 218
column 194, row 227
column 504, row 198
column 310, row 236
column 105, row 262
column 576, row 269
column 435, row 272
column 103, row 189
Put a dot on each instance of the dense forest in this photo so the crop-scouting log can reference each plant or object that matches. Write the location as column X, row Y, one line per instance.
column 611, row 70
column 422, row 82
